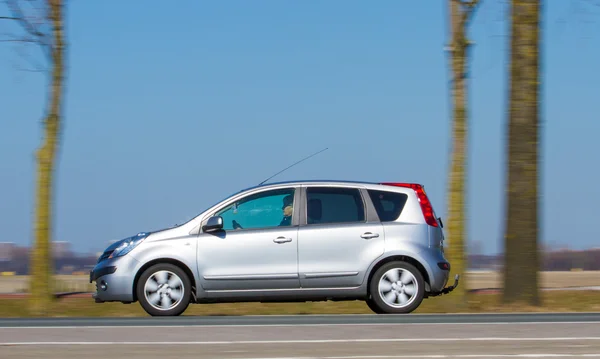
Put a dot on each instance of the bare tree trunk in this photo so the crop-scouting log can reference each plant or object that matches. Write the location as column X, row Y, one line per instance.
column 522, row 258
column 460, row 13
column 42, row 264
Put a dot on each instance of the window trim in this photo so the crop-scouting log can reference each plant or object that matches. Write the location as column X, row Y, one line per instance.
column 241, row 196
column 368, row 208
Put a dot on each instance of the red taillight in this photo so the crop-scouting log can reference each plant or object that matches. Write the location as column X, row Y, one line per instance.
column 426, row 206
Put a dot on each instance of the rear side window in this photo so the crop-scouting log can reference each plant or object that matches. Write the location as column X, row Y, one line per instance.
column 334, row 205
column 388, row 205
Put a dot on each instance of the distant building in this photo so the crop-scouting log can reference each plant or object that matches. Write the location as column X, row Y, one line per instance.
column 61, row 249
column 7, row 250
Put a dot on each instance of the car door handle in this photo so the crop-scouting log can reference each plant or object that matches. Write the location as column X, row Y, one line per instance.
column 282, row 240
column 369, row 235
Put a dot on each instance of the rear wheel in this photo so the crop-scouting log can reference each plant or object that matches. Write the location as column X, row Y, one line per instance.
column 164, row 290
column 396, row 288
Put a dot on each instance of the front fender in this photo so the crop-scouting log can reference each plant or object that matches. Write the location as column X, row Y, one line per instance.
column 182, row 250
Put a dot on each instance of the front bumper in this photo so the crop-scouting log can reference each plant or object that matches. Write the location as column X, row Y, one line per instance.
column 100, row 272
column 114, row 279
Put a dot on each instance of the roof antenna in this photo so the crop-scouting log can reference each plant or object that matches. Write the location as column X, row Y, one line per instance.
column 314, row 154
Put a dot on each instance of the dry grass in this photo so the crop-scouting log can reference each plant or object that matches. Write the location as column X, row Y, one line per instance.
column 554, row 301
column 63, row 283
column 477, row 280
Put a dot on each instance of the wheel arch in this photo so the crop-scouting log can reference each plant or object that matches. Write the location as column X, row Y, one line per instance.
column 401, row 258
column 172, row 261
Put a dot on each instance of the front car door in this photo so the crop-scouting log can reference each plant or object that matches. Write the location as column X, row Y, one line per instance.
column 339, row 238
column 257, row 249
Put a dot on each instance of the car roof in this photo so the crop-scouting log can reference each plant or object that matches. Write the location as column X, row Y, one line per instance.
column 301, row 182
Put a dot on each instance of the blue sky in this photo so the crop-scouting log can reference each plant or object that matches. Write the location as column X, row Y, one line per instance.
column 171, row 108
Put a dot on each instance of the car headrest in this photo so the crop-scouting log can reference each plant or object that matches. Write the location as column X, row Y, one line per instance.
column 315, row 210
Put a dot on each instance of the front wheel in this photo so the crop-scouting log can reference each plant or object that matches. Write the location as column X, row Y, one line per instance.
column 373, row 306
column 396, row 288
column 164, row 290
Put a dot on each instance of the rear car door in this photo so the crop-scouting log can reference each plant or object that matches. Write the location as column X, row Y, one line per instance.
column 338, row 239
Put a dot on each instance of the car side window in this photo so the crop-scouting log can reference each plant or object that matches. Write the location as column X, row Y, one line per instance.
column 388, row 204
column 262, row 210
column 334, row 205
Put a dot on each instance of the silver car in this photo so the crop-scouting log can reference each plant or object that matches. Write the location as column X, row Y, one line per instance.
column 290, row 241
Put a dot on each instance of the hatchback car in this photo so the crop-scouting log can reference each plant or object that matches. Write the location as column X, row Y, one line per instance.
column 289, row 241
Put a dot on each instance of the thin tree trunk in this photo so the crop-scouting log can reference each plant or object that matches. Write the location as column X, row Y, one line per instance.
column 521, row 227
column 42, row 264
column 459, row 16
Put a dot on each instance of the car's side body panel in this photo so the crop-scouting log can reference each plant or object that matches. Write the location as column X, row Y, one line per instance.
column 332, row 256
column 248, row 260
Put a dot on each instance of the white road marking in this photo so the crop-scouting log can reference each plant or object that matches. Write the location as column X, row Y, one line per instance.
column 287, row 325
column 310, row 341
column 549, row 355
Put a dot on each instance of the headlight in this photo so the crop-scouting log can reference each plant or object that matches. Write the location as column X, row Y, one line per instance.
column 127, row 245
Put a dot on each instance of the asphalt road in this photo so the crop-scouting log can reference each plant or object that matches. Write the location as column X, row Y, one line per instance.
column 331, row 337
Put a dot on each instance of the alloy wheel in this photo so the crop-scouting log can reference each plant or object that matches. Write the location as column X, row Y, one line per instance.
column 164, row 290
column 398, row 287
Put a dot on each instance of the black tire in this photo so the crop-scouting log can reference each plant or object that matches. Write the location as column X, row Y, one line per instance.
column 167, row 292
column 415, row 295
column 371, row 304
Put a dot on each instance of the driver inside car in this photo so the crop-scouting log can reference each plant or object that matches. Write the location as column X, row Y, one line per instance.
column 288, row 210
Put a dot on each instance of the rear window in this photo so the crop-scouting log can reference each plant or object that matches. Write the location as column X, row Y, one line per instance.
column 388, row 205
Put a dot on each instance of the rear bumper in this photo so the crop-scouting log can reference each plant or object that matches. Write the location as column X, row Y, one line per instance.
column 446, row 290
column 437, row 267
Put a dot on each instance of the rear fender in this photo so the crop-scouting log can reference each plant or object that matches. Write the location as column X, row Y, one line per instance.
column 414, row 257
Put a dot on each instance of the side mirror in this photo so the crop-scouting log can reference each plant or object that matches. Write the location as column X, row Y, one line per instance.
column 213, row 224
